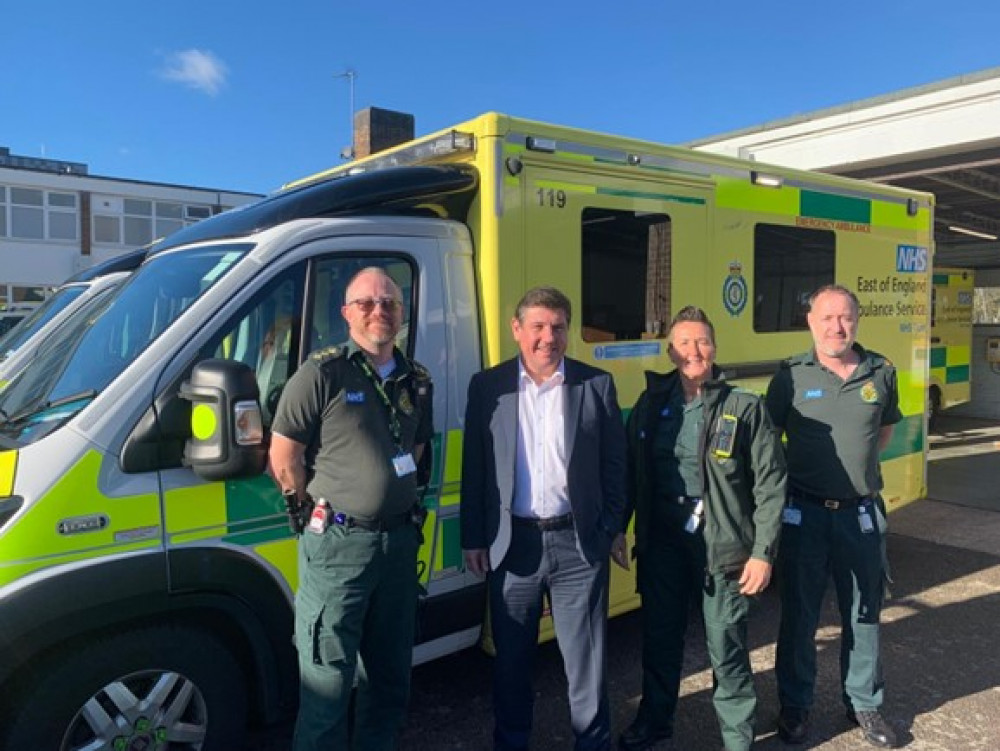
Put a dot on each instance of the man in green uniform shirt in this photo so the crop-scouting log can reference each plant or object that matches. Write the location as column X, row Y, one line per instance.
column 349, row 430
column 837, row 405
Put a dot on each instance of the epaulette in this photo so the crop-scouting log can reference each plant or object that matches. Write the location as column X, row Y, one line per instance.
column 879, row 359
column 419, row 371
column 328, row 353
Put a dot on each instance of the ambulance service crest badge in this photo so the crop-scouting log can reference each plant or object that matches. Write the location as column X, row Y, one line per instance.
column 869, row 393
column 404, row 403
column 734, row 289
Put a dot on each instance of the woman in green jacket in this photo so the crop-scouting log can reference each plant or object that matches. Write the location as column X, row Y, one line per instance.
column 706, row 479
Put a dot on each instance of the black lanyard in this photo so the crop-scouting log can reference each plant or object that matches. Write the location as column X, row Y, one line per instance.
column 395, row 429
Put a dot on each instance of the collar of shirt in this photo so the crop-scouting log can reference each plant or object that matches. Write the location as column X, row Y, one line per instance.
column 556, row 379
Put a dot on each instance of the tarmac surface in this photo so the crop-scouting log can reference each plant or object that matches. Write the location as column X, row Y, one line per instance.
column 940, row 649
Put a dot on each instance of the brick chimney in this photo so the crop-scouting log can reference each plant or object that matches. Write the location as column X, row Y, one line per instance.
column 377, row 129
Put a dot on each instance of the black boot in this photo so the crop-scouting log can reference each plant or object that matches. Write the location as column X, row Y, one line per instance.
column 793, row 725
column 877, row 731
column 642, row 735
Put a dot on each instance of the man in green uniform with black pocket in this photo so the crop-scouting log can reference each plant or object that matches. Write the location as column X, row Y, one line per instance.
column 348, row 433
column 837, row 405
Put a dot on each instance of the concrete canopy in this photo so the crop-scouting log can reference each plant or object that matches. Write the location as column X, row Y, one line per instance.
column 942, row 138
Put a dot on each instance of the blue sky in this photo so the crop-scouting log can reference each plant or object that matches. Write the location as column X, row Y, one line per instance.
column 244, row 95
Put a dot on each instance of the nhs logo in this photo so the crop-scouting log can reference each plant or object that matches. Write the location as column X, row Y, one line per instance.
column 911, row 259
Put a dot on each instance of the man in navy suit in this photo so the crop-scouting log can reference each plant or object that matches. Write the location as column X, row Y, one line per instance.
column 543, row 497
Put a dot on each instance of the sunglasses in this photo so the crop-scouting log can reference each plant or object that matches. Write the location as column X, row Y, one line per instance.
column 367, row 304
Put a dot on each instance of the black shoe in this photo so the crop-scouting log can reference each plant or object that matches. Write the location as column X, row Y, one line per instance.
column 877, row 731
column 793, row 724
column 640, row 736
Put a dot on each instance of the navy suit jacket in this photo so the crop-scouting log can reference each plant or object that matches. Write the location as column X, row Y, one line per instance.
column 595, row 450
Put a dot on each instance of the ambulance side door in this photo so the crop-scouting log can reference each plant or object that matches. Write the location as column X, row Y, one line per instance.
column 629, row 252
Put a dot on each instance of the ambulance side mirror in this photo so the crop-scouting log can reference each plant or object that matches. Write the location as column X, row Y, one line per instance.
column 227, row 430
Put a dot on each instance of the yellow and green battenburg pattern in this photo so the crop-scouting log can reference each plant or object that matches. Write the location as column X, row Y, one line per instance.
column 34, row 542
column 950, row 363
column 251, row 512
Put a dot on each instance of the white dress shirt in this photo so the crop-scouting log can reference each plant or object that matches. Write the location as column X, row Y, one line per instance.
column 540, row 489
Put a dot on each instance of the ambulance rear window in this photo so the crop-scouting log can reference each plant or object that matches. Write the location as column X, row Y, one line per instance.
column 626, row 275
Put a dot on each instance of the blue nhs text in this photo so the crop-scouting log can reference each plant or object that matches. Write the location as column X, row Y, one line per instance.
column 911, row 259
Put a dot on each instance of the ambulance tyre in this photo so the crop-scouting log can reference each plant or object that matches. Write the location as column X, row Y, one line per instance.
column 157, row 687
column 934, row 416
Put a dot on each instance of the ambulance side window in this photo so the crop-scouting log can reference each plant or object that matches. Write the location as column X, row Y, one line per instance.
column 266, row 335
column 624, row 252
column 330, row 277
column 789, row 264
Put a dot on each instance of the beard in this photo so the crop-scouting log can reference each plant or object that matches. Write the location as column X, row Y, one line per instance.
column 380, row 335
column 835, row 349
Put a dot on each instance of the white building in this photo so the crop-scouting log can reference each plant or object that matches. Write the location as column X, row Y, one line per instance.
column 56, row 219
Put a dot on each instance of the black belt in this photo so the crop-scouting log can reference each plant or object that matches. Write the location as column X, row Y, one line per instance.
column 833, row 504
column 384, row 524
column 549, row 524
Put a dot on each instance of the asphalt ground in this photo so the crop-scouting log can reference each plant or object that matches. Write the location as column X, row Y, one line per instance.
column 941, row 641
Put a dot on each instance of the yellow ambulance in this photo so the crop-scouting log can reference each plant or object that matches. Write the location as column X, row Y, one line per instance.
column 146, row 566
column 952, row 293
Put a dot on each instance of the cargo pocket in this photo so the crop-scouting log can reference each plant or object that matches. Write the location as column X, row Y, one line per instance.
column 308, row 630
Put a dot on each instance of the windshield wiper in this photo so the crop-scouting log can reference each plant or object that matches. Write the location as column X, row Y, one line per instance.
column 33, row 410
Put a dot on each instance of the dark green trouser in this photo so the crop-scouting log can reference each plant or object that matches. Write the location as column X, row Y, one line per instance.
column 671, row 579
column 357, row 599
column 825, row 542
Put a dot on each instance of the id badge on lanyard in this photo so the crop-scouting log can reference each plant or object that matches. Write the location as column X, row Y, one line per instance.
column 404, row 464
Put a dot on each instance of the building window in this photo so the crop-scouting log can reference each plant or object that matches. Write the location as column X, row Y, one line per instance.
column 64, row 216
column 134, row 222
column 790, row 263
column 34, row 214
column 625, row 252
column 169, row 218
column 138, row 222
column 107, row 230
column 27, row 214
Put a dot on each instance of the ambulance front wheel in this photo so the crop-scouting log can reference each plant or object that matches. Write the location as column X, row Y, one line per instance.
column 154, row 688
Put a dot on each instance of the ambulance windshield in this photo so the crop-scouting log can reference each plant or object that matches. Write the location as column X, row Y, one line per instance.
column 40, row 316
column 93, row 347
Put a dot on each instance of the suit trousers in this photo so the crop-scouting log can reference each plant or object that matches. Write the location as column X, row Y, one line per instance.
column 354, row 617
column 536, row 565
column 831, row 541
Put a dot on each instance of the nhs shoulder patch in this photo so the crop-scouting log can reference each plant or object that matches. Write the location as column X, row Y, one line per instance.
column 813, row 394
column 355, row 397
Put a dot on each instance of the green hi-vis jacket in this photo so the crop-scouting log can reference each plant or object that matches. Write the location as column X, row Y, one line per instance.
column 744, row 493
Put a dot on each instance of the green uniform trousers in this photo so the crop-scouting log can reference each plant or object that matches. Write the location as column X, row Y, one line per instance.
column 671, row 579
column 815, row 542
column 355, row 611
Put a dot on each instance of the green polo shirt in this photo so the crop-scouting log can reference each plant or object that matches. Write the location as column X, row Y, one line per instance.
column 675, row 448
column 832, row 426
column 334, row 409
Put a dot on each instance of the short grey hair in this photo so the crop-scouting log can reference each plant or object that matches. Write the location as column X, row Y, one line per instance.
column 836, row 289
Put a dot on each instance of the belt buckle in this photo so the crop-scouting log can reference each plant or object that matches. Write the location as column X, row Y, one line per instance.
column 831, row 504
